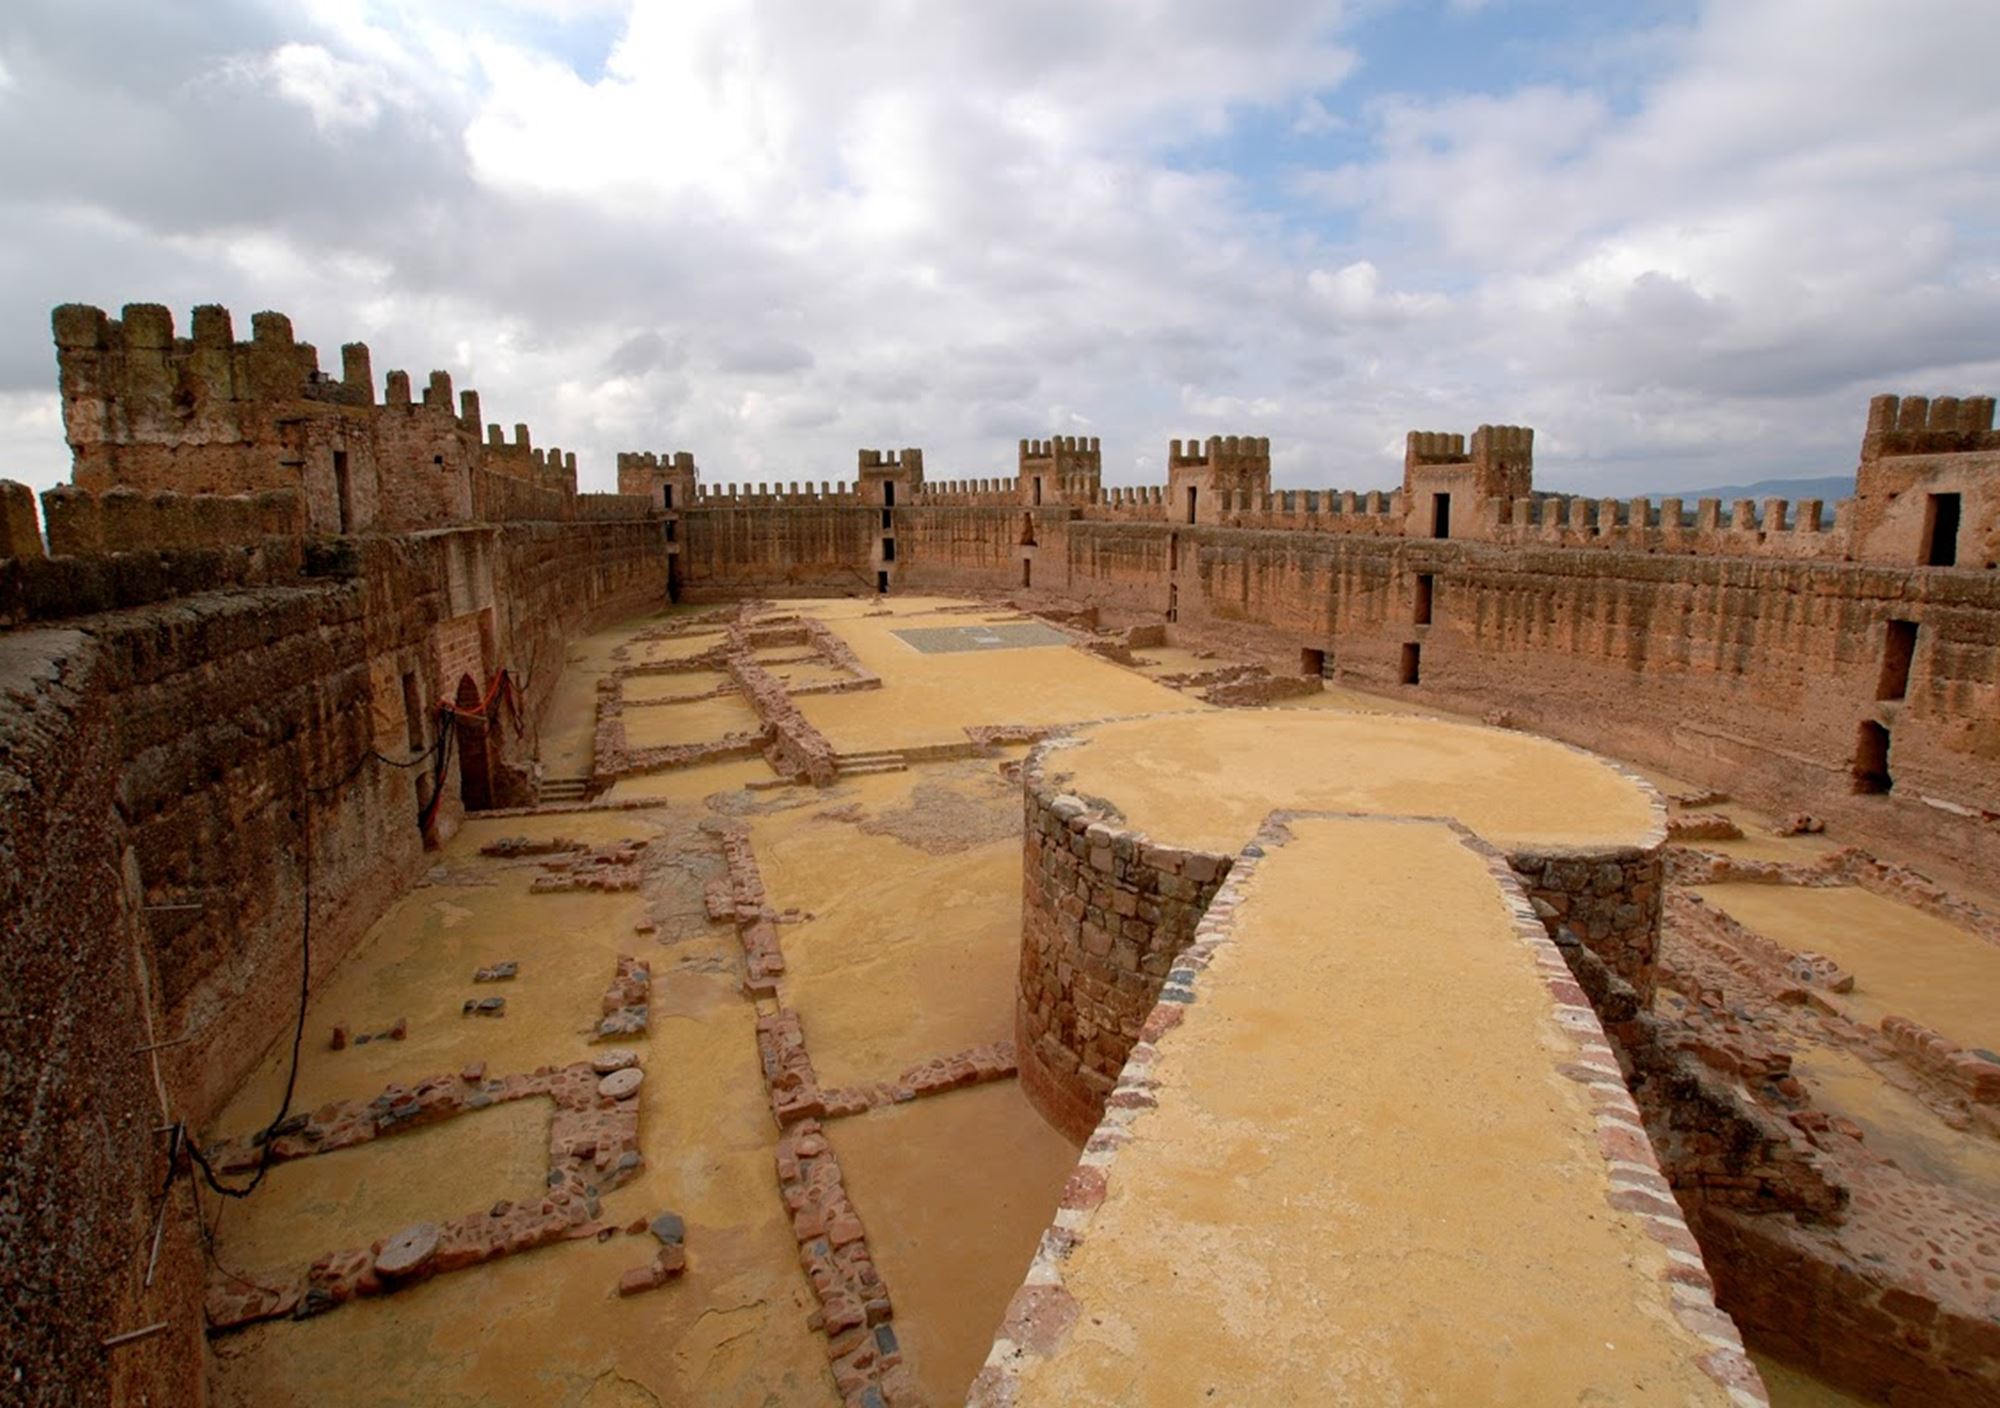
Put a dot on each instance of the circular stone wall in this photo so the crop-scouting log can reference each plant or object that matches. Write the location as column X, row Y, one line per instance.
column 1131, row 827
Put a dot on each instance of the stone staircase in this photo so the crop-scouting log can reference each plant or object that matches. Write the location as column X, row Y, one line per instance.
column 862, row 764
column 562, row 791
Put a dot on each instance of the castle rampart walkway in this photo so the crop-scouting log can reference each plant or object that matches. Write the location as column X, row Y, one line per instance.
column 1371, row 1148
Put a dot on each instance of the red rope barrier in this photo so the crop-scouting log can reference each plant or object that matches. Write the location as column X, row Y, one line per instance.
column 501, row 685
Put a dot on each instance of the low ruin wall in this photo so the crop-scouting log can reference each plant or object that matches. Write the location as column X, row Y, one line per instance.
column 1810, row 1303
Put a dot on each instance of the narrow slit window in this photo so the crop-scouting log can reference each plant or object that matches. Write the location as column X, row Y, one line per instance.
column 1899, row 649
column 343, row 489
column 1941, row 517
column 1871, row 759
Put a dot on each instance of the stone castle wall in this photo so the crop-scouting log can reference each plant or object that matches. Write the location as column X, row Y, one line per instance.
column 147, row 410
column 779, row 549
column 215, row 664
column 217, row 750
column 82, row 1161
column 1756, row 676
column 1749, row 646
column 263, row 577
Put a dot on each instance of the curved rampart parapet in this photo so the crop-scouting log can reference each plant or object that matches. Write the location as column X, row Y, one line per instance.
column 1130, row 827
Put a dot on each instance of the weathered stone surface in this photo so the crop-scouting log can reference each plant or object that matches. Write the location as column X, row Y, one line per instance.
column 410, row 1252
column 621, row 1084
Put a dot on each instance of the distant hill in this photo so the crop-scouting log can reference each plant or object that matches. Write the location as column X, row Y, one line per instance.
column 1830, row 488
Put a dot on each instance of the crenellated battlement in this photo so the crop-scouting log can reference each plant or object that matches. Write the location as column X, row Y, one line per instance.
column 1198, row 472
column 138, row 365
column 1499, row 463
column 211, row 417
column 1238, row 453
column 668, row 479
column 1373, row 512
column 780, row 494
column 906, row 461
column 1067, row 448
column 1924, row 425
column 1928, row 488
column 1135, row 496
column 1773, row 527
column 962, row 493
column 646, row 462
column 1424, row 447
column 1064, row 469
column 208, row 417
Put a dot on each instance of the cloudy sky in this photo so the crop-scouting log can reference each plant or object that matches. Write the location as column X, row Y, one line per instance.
column 1684, row 241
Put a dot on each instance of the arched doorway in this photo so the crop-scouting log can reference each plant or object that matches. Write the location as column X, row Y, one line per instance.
column 475, row 778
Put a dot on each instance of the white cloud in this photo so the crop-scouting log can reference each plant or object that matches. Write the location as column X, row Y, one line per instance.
column 771, row 235
column 1353, row 293
column 1314, row 120
column 341, row 96
column 31, row 438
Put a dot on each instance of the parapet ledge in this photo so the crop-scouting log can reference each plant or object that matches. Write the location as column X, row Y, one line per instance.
column 83, row 522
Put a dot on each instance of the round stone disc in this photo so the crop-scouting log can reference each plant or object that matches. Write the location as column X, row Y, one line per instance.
column 617, row 1059
column 621, row 1084
column 409, row 1251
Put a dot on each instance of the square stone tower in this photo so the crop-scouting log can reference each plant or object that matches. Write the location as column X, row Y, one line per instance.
column 1199, row 476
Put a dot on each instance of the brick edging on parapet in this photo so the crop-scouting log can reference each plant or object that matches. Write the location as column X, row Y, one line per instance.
column 1042, row 1311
